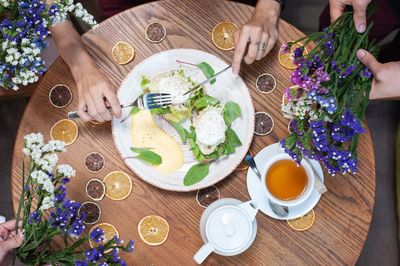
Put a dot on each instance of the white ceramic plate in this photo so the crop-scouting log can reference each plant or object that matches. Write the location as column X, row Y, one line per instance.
column 228, row 87
column 257, row 194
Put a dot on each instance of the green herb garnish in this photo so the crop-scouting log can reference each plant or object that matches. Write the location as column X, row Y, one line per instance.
column 231, row 112
column 196, row 173
column 207, row 70
column 181, row 131
column 146, row 155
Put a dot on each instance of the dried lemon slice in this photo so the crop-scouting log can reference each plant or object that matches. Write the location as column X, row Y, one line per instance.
column 123, row 53
column 264, row 124
column 286, row 58
column 109, row 233
column 222, row 35
column 303, row 223
column 64, row 130
column 153, row 230
column 60, row 96
column 118, row 185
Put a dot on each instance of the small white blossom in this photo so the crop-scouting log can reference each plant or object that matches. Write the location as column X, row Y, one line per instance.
column 65, row 170
column 39, row 176
column 47, row 203
column 48, row 186
column 33, row 139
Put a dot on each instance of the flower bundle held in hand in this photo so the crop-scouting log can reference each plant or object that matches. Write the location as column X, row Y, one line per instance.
column 23, row 30
column 46, row 213
column 329, row 97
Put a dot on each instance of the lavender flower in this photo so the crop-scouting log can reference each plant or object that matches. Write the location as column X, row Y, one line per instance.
column 95, row 254
column 285, row 48
column 81, row 263
column 77, row 227
column 349, row 120
column 365, row 73
column 35, row 217
column 97, row 235
column 327, row 40
column 318, row 135
column 131, row 244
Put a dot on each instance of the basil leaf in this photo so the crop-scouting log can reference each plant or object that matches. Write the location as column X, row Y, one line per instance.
column 135, row 110
column 232, row 137
column 139, row 150
column 205, row 101
column 207, row 70
column 181, row 131
column 195, row 174
column 150, row 157
column 231, row 112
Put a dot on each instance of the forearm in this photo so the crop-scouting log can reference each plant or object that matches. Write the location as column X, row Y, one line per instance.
column 71, row 48
column 267, row 9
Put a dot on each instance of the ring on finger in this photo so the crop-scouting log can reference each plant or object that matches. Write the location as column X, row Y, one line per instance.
column 255, row 43
column 262, row 47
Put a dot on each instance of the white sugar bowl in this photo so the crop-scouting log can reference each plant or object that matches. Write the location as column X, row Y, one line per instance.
column 228, row 227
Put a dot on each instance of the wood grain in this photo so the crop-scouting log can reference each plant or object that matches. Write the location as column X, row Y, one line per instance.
column 343, row 215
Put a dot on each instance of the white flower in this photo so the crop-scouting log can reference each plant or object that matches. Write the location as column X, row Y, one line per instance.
column 65, row 170
column 51, row 159
column 48, row 186
column 47, row 203
column 39, row 176
column 33, row 139
column 53, row 146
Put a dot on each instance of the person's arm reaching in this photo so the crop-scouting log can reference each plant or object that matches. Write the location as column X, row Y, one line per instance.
column 9, row 240
column 93, row 86
column 360, row 7
column 259, row 33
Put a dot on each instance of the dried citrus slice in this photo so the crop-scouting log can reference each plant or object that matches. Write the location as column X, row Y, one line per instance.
column 222, row 35
column 64, row 130
column 95, row 189
column 206, row 196
column 286, row 58
column 123, row 53
column 60, row 96
column 118, row 185
column 264, row 124
column 155, row 32
column 94, row 162
column 109, row 233
column 304, row 222
column 243, row 165
column 266, row 83
column 153, row 230
column 92, row 212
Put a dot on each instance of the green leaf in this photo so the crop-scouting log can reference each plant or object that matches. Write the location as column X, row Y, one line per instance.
column 231, row 112
column 205, row 101
column 196, row 173
column 135, row 110
column 207, row 70
column 160, row 111
column 232, row 137
column 150, row 157
column 144, row 82
column 181, row 131
column 139, row 150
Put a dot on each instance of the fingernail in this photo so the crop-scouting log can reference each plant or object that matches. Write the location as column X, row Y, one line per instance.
column 360, row 54
column 361, row 28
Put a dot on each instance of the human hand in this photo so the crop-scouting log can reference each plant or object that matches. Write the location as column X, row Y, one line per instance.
column 96, row 96
column 259, row 33
column 9, row 240
column 360, row 7
column 385, row 84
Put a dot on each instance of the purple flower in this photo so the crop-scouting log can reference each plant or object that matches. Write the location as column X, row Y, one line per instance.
column 365, row 73
column 285, row 48
column 65, row 180
column 349, row 120
column 97, row 235
column 293, row 151
column 77, row 227
column 328, row 103
column 95, row 254
column 318, row 135
column 342, row 134
column 347, row 71
column 131, row 244
column 327, row 41
column 35, row 217
column 60, row 193
column 81, row 263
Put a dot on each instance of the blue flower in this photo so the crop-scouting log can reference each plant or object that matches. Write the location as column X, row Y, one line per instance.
column 77, row 227
column 95, row 254
column 349, row 120
column 318, row 135
column 97, row 235
column 81, row 263
column 131, row 244
column 60, row 193
column 35, row 217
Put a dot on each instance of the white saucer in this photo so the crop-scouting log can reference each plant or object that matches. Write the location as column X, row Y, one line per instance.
column 256, row 193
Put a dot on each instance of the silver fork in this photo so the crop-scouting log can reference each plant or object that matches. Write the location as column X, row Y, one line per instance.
column 146, row 101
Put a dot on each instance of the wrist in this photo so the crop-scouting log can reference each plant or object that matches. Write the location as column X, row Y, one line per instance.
column 267, row 10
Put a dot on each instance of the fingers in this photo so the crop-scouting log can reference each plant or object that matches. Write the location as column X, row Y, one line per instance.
column 369, row 61
column 240, row 47
column 10, row 225
column 263, row 46
column 360, row 17
column 12, row 243
column 82, row 110
column 113, row 102
column 336, row 9
column 254, row 46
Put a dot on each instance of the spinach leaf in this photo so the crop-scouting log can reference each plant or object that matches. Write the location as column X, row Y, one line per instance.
column 196, row 173
column 205, row 101
column 231, row 112
column 232, row 137
column 146, row 155
column 207, row 70
column 181, row 131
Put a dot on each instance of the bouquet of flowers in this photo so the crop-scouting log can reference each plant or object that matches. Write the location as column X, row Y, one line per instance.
column 329, row 96
column 23, row 30
column 47, row 213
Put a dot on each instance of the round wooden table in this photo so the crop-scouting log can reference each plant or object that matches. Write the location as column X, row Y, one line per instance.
column 343, row 215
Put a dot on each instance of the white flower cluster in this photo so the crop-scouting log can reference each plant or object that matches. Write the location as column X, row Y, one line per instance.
column 65, row 170
column 5, row 3
column 47, row 203
column 302, row 108
column 67, row 6
column 44, row 180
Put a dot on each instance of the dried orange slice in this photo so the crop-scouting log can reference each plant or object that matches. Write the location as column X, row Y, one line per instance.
column 286, row 58
column 60, row 96
column 118, row 185
column 64, row 130
column 266, row 83
column 155, row 32
column 264, row 124
column 153, row 230
column 303, row 223
column 92, row 212
column 206, row 196
column 94, row 162
column 222, row 35
column 95, row 189
column 243, row 165
column 123, row 53
column 109, row 233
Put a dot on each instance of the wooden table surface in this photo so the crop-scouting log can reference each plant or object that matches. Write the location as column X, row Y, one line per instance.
column 343, row 215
